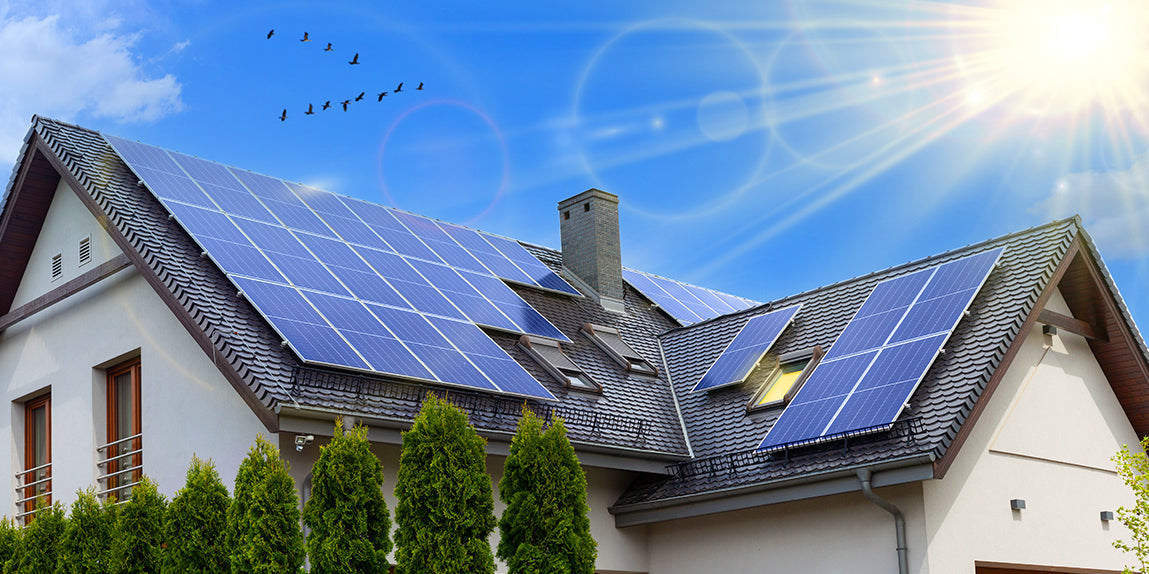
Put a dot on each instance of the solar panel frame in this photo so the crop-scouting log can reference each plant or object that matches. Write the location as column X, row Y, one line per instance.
column 894, row 294
column 756, row 337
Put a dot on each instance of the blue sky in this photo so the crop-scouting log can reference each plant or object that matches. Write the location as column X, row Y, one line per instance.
column 760, row 148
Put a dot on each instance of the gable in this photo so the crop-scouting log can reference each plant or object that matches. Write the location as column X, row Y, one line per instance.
column 1065, row 410
column 67, row 222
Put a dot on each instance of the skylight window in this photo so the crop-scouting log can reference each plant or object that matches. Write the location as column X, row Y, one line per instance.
column 611, row 343
column 779, row 378
column 549, row 355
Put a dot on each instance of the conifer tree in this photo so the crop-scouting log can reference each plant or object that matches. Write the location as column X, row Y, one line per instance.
column 348, row 517
column 87, row 544
column 263, row 535
column 445, row 510
column 10, row 536
column 40, row 546
column 545, row 528
column 196, row 524
column 138, row 544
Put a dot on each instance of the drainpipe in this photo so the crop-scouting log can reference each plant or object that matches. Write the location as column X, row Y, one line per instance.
column 864, row 475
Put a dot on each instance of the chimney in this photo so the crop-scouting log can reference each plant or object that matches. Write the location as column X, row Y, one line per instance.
column 591, row 249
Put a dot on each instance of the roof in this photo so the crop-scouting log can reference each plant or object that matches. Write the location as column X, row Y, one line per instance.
column 708, row 436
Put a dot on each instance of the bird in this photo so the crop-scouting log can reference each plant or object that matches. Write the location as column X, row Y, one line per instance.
column 310, row 110
column 382, row 95
column 420, row 86
column 270, row 33
column 283, row 116
column 354, row 61
column 345, row 104
column 327, row 104
column 360, row 96
column 400, row 88
column 305, row 38
column 328, row 48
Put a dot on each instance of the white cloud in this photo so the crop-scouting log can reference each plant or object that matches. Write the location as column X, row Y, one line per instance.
column 46, row 68
column 1114, row 206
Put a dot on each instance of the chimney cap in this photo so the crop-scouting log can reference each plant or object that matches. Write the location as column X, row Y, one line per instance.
column 588, row 194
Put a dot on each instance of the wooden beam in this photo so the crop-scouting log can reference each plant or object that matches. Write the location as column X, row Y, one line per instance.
column 64, row 291
column 1075, row 326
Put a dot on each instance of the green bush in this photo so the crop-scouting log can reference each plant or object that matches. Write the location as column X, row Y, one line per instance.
column 263, row 533
column 348, row 517
column 545, row 528
column 87, row 544
column 40, row 549
column 445, row 510
column 10, row 536
column 196, row 524
column 138, row 544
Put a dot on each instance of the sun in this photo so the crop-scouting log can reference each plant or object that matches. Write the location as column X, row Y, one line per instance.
column 1057, row 56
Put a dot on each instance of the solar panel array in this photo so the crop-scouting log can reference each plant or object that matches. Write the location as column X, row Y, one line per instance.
column 686, row 303
column 753, row 341
column 878, row 361
column 353, row 284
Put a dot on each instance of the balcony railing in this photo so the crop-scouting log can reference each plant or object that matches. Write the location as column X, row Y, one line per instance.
column 121, row 467
column 32, row 485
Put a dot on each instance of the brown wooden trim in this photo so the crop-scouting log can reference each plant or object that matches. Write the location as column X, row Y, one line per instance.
column 1119, row 317
column 64, row 291
column 225, row 367
column 135, row 382
column 30, row 447
column 943, row 464
column 1075, row 326
column 1007, row 568
column 23, row 217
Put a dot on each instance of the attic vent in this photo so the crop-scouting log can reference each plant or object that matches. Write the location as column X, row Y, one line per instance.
column 85, row 251
column 57, row 266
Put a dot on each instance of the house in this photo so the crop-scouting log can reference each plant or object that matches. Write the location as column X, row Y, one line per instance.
column 141, row 323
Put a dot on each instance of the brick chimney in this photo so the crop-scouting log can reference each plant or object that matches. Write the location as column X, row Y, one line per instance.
column 591, row 249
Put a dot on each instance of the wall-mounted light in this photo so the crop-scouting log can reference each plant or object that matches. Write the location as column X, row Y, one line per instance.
column 1106, row 515
column 1049, row 330
column 302, row 440
column 1017, row 504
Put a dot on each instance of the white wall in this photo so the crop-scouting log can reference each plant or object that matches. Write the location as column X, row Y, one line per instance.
column 1046, row 436
column 841, row 533
column 68, row 221
column 622, row 550
column 187, row 405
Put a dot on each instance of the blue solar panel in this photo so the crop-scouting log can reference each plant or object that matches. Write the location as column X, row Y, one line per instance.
column 880, row 358
column 540, row 274
column 334, row 275
column 686, row 303
column 755, row 339
column 486, row 253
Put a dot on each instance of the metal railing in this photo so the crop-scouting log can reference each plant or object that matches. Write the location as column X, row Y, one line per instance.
column 28, row 492
column 486, row 411
column 127, row 450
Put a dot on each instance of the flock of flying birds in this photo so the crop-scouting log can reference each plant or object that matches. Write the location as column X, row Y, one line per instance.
column 345, row 103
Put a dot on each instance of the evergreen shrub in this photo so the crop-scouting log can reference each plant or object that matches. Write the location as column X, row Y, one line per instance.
column 196, row 524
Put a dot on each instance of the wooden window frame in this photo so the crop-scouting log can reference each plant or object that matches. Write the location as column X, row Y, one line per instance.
column 30, row 448
column 133, row 367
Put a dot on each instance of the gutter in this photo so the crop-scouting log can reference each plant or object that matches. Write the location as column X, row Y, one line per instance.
column 865, row 476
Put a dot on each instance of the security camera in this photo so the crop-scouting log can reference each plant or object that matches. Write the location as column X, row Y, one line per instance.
column 302, row 440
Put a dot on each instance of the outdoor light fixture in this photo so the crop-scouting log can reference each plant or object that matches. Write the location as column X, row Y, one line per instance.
column 1106, row 515
column 1015, row 504
column 302, row 440
column 1049, row 330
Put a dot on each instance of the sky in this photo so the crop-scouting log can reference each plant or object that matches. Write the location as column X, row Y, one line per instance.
column 758, row 148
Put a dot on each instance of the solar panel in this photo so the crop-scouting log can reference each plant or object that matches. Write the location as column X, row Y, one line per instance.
column 686, row 303
column 878, row 361
column 748, row 347
column 347, row 283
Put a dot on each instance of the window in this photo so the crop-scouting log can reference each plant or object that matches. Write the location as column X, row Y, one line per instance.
column 611, row 343
column 549, row 355
column 37, row 475
column 124, row 460
column 779, row 378
column 84, row 252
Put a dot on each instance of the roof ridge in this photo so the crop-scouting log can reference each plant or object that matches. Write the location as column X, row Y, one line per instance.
column 1076, row 219
column 37, row 119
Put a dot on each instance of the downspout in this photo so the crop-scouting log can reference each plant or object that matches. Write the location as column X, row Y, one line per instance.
column 864, row 475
